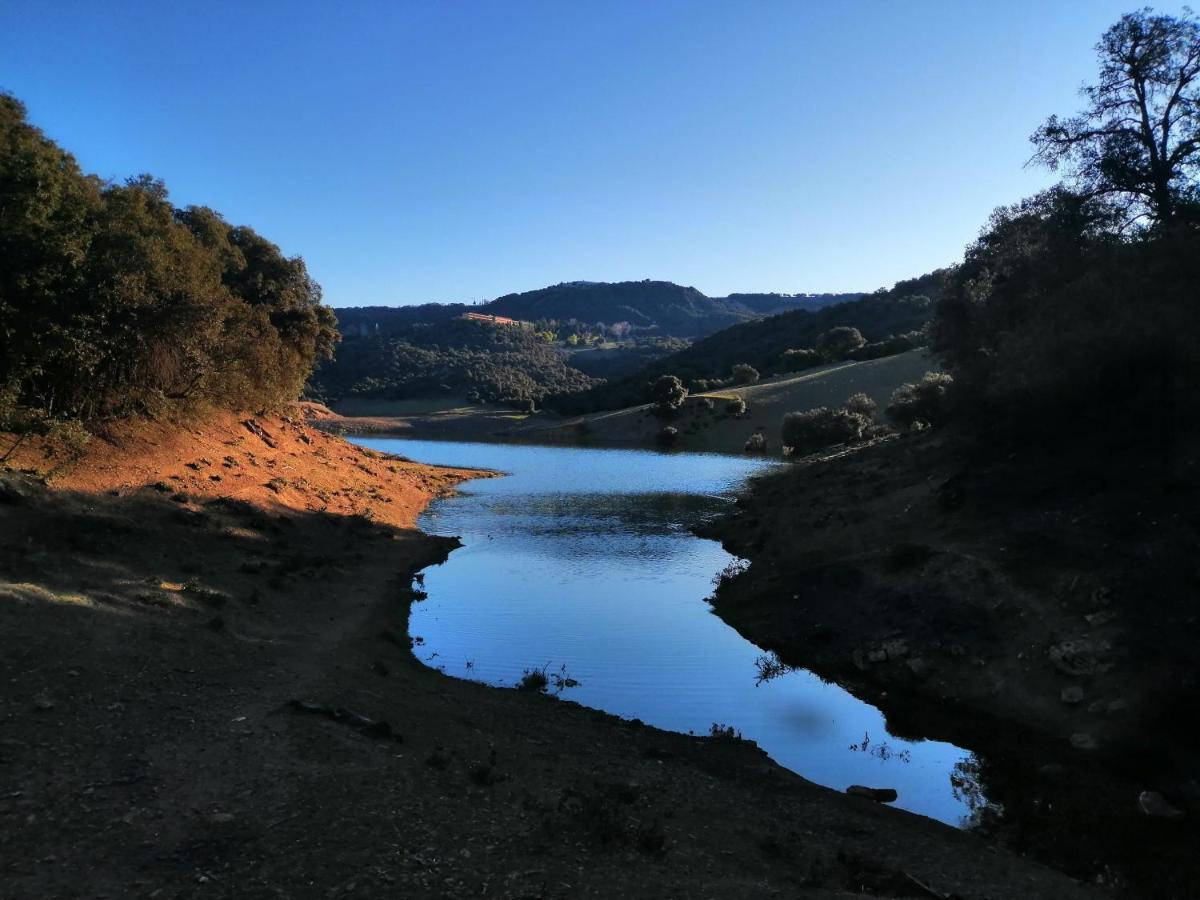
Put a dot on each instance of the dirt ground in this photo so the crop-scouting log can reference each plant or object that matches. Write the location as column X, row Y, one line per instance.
column 209, row 692
column 1034, row 604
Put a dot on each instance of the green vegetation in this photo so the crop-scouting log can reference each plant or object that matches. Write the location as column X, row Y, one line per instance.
column 743, row 374
column 455, row 358
column 1075, row 311
column 763, row 343
column 838, row 342
column 920, row 405
column 667, row 393
column 814, row 430
column 113, row 302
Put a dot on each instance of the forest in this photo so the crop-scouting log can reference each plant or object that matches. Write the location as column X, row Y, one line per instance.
column 114, row 302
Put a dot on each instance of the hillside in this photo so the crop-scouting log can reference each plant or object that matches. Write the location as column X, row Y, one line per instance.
column 653, row 308
column 716, row 430
column 761, row 343
column 455, row 358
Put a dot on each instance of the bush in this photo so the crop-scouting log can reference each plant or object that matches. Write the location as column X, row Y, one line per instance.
column 756, row 443
column 862, row 404
column 667, row 393
column 897, row 343
column 743, row 374
column 809, row 432
column 736, row 406
column 837, row 343
column 667, row 436
column 921, row 405
column 799, row 360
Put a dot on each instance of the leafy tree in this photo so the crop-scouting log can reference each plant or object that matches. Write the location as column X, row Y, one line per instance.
column 1138, row 140
column 667, row 393
column 837, row 342
column 813, row 430
column 743, row 373
column 113, row 302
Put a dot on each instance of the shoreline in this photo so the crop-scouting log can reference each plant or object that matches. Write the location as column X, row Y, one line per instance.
column 909, row 574
column 212, row 680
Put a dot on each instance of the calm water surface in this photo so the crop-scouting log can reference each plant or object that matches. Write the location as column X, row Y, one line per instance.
column 581, row 562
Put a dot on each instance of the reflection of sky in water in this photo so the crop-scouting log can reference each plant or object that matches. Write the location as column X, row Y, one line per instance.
column 583, row 559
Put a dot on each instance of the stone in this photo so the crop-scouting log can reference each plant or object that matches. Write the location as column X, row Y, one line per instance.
column 1072, row 694
column 879, row 795
column 42, row 702
column 1080, row 656
column 1153, row 804
column 897, row 649
column 877, row 656
column 917, row 666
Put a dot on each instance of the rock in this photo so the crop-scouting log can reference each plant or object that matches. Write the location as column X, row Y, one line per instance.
column 877, row 656
column 879, row 795
column 897, row 649
column 1153, row 804
column 1081, row 740
column 1081, row 656
column 1103, row 617
column 1115, row 706
column 1072, row 694
column 918, row 666
column 42, row 702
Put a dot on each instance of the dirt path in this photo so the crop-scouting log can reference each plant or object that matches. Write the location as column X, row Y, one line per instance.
column 206, row 696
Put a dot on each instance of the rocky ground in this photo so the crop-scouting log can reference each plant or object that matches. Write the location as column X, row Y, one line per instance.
column 1035, row 604
column 209, row 691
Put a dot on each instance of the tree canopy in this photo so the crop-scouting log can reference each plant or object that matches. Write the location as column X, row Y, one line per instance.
column 113, row 301
column 1137, row 142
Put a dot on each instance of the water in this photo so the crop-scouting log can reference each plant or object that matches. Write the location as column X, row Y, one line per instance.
column 581, row 562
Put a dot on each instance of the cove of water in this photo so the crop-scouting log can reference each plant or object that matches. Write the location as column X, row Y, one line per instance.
column 581, row 562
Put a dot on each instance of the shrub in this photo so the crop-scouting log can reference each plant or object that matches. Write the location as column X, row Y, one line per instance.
column 798, row 360
column 534, row 680
column 808, row 432
column 736, row 406
column 862, row 404
column 667, row 393
column 68, row 439
column 756, row 443
column 921, row 405
column 743, row 373
column 837, row 343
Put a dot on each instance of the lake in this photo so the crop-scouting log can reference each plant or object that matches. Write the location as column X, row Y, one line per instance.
column 581, row 563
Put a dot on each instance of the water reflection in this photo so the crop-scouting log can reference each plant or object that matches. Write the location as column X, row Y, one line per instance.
column 581, row 564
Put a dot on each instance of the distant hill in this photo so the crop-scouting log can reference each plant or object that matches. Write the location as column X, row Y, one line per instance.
column 454, row 357
column 762, row 342
column 651, row 308
column 709, row 428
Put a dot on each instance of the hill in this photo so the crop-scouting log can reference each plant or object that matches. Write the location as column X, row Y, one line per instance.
column 651, row 308
column 453, row 358
column 706, row 425
column 761, row 343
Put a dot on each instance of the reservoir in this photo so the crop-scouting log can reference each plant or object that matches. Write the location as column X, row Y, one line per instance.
column 581, row 564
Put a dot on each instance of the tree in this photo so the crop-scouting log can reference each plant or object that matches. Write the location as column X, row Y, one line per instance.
column 667, row 393
column 743, row 373
column 1138, row 140
column 835, row 343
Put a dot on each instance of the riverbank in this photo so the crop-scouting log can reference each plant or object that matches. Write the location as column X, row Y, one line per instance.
column 710, row 422
column 1001, row 600
column 209, row 691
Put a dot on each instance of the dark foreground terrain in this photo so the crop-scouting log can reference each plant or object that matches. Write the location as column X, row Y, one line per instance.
column 1036, row 605
column 210, row 692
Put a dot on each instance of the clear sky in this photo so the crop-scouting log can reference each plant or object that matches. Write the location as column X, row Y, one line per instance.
column 456, row 150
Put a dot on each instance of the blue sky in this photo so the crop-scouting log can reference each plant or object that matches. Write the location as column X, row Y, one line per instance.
column 413, row 152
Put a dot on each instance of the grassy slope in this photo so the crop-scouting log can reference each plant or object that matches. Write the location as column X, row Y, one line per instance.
column 713, row 431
